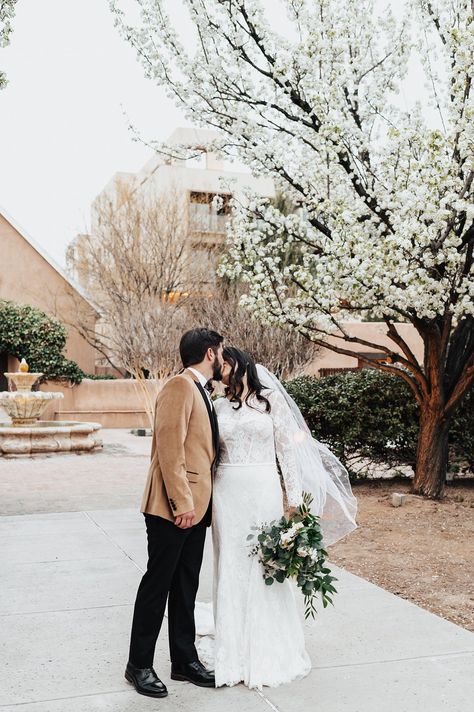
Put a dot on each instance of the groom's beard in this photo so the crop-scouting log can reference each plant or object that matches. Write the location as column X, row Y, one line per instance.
column 216, row 370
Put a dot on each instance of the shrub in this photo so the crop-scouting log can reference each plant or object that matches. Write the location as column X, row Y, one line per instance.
column 369, row 419
column 27, row 332
column 461, row 435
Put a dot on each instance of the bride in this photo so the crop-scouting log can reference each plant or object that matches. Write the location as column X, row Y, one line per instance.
column 267, row 459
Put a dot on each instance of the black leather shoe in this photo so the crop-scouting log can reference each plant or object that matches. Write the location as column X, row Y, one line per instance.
column 145, row 681
column 194, row 672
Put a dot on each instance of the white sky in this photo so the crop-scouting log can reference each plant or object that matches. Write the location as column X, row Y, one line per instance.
column 63, row 132
column 62, row 128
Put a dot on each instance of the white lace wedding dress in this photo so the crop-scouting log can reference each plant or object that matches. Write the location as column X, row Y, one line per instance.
column 259, row 636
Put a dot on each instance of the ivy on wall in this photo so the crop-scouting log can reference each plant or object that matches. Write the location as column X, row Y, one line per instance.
column 27, row 332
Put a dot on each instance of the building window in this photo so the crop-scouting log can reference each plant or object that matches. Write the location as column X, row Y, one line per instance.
column 204, row 215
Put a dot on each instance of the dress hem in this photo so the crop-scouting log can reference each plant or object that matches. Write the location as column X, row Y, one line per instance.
column 259, row 686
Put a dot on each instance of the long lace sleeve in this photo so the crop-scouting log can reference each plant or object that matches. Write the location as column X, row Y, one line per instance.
column 285, row 428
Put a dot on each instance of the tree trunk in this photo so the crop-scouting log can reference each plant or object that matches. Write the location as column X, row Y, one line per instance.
column 432, row 452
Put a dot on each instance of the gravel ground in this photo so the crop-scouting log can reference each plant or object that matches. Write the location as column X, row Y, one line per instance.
column 422, row 551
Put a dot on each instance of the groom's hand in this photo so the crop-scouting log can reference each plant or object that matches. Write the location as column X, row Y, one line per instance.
column 186, row 520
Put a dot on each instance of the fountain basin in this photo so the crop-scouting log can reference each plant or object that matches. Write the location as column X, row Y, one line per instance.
column 48, row 437
column 26, row 435
column 25, row 407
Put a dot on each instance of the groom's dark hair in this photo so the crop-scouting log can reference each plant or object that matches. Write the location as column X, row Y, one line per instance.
column 195, row 343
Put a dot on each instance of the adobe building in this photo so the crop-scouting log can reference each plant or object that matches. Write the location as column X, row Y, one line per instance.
column 329, row 362
column 29, row 276
column 194, row 183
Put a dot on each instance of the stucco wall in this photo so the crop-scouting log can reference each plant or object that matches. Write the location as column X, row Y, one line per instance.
column 369, row 331
column 26, row 277
column 213, row 180
column 113, row 404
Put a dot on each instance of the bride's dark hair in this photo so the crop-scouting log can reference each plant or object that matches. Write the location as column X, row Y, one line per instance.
column 242, row 363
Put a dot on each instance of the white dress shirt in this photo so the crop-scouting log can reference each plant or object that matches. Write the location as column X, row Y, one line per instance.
column 203, row 382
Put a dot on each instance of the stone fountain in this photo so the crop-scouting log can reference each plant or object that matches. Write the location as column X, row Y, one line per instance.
column 27, row 435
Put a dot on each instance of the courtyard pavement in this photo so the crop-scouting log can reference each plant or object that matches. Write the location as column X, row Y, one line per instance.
column 72, row 551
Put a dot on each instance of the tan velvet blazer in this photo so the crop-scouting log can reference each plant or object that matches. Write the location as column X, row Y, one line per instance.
column 182, row 452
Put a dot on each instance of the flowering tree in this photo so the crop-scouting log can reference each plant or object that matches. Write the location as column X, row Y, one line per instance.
column 386, row 219
column 7, row 11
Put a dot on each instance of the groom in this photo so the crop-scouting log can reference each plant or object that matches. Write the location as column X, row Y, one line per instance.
column 177, row 509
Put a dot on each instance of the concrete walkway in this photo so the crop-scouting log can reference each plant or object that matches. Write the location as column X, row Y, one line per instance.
column 68, row 582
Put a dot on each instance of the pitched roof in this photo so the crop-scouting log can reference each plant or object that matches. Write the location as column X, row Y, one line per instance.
column 44, row 254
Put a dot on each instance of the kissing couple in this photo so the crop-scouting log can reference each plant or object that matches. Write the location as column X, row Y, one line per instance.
column 237, row 462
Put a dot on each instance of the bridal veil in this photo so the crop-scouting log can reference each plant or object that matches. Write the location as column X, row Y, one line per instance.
column 320, row 473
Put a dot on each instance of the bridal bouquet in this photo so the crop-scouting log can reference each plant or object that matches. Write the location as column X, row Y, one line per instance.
column 292, row 548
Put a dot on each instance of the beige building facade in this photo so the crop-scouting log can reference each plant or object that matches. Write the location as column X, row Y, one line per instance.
column 29, row 276
column 114, row 404
column 200, row 185
column 328, row 361
column 195, row 182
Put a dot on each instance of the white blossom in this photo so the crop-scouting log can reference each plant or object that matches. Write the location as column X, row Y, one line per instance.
column 7, row 12
column 383, row 224
column 286, row 537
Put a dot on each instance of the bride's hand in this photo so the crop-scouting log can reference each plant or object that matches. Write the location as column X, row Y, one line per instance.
column 290, row 512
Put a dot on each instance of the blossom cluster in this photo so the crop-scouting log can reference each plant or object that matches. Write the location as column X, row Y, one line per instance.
column 7, row 12
column 287, row 537
column 383, row 219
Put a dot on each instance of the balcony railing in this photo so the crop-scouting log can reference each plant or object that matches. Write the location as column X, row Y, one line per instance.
column 211, row 222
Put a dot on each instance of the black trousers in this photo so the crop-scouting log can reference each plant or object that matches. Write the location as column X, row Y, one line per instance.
column 174, row 563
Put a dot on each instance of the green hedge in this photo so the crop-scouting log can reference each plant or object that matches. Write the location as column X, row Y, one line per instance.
column 26, row 332
column 374, row 415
